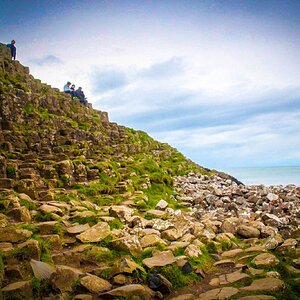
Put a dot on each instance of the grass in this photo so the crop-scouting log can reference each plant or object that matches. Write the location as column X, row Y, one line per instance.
column 42, row 217
column 115, row 224
column 29, row 204
column 174, row 274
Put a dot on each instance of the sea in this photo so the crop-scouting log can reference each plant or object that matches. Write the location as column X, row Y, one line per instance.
column 266, row 175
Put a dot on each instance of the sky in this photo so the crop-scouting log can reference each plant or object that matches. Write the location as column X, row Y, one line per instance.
column 217, row 79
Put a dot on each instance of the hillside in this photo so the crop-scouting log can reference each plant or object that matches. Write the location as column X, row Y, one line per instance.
column 90, row 209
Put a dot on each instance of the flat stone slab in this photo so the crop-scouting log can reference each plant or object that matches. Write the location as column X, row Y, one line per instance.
column 184, row 297
column 78, row 228
column 229, row 278
column 218, row 294
column 94, row 234
column 257, row 297
column 231, row 253
column 130, row 290
column 95, row 284
column 224, row 263
column 161, row 259
column 265, row 260
column 265, row 284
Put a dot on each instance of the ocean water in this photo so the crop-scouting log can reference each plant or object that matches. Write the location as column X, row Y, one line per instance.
column 266, row 175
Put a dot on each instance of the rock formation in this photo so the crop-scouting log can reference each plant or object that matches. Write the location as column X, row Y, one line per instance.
column 94, row 210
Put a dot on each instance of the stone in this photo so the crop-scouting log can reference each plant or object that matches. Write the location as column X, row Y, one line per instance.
column 18, row 290
column 122, row 279
column 218, row 294
column 41, row 270
column 53, row 240
column 64, row 278
column 151, row 240
column 273, row 242
column 138, row 291
column 162, row 204
column 13, row 235
column 235, row 277
column 265, row 284
column 130, row 244
column 20, row 214
column 154, row 213
column 121, row 211
column 78, row 228
column 231, row 253
column 31, row 248
column 177, row 245
column 6, row 247
column 94, row 234
column 225, row 263
column 45, row 208
column 265, row 260
column 248, row 231
column 257, row 297
column 159, row 283
column 192, row 251
column 171, row 234
column 160, row 259
column 288, row 247
column 95, row 284
column 126, row 265
column 161, row 225
column 83, row 297
column 184, row 297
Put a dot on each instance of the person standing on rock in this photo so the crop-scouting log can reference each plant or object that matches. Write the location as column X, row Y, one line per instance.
column 13, row 49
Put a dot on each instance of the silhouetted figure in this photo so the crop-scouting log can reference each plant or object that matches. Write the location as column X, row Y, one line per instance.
column 13, row 49
column 80, row 95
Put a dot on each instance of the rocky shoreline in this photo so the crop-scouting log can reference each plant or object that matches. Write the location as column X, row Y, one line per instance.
column 91, row 210
column 249, row 229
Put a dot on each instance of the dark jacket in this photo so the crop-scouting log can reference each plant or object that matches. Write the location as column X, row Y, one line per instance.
column 13, row 50
column 80, row 94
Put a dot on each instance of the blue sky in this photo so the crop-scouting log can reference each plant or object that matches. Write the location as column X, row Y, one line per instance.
column 218, row 80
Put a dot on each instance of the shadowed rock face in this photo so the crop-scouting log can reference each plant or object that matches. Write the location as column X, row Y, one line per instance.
column 91, row 207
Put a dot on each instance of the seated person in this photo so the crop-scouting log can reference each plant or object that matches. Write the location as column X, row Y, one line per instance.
column 67, row 88
column 72, row 91
column 80, row 95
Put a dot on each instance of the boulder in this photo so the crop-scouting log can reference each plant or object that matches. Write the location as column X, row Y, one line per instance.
column 162, row 204
column 18, row 290
column 218, row 294
column 258, row 297
column 192, row 251
column 126, row 265
column 78, row 228
column 151, row 240
column 95, row 284
column 248, row 231
column 121, row 211
column 265, row 284
column 159, row 283
column 265, row 260
column 129, row 243
column 160, row 259
column 20, row 214
column 138, row 291
column 41, row 270
column 31, row 248
column 94, row 234
column 13, row 235
column 64, row 278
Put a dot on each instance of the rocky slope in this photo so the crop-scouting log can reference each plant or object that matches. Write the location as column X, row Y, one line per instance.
column 94, row 210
